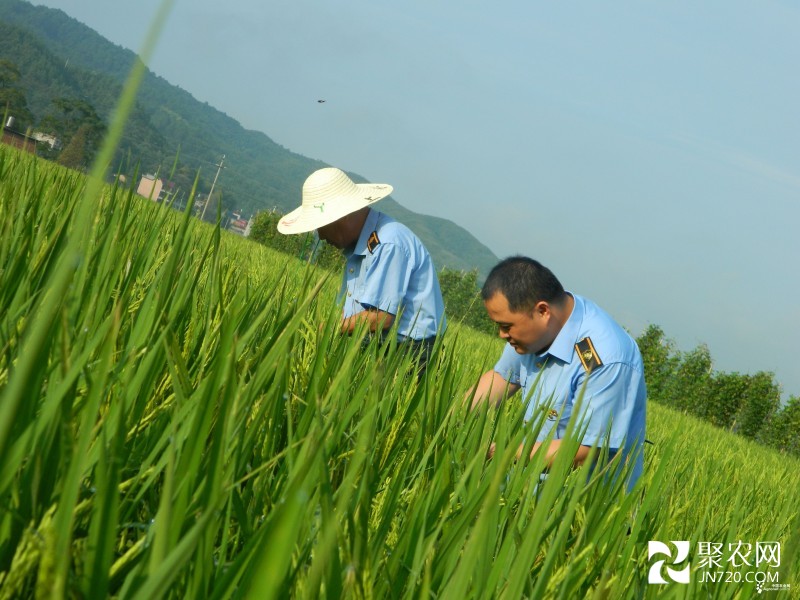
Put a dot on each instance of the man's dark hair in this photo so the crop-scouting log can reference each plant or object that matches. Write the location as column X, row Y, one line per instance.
column 524, row 282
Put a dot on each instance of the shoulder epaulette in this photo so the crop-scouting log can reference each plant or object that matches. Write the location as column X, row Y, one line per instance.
column 373, row 242
column 588, row 355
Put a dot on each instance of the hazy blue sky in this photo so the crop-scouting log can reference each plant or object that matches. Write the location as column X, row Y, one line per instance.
column 649, row 153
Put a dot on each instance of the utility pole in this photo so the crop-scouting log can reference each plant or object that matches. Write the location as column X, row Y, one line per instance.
column 213, row 183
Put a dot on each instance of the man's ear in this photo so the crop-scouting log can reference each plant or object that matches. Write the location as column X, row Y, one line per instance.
column 541, row 309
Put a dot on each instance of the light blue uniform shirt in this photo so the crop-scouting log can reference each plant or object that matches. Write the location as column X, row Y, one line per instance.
column 615, row 391
column 393, row 272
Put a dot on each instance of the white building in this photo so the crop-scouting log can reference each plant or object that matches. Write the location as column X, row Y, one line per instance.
column 47, row 138
column 150, row 187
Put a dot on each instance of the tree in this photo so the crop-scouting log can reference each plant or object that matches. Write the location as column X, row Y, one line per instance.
column 722, row 404
column 12, row 98
column 747, row 404
column 659, row 361
column 760, row 401
column 783, row 431
column 70, row 118
column 74, row 153
column 462, row 299
column 688, row 388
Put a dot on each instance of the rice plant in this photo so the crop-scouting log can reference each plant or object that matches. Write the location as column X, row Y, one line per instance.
column 180, row 418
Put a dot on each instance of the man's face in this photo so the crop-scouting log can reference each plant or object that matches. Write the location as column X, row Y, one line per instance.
column 526, row 331
column 335, row 234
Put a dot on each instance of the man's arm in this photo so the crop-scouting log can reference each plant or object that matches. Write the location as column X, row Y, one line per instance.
column 377, row 320
column 552, row 448
column 384, row 285
column 491, row 388
column 605, row 394
column 550, row 452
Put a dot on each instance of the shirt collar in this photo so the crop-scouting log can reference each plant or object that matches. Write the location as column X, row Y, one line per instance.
column 370, row 225
column 563, row 347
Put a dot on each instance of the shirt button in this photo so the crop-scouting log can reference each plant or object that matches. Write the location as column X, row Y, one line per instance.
column 351, row 269
column 539, row 365
column 349, row 294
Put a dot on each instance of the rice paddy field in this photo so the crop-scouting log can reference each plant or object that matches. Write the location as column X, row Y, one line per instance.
column 179, row 418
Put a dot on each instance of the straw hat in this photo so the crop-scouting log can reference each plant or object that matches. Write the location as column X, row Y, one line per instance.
column 329, row 195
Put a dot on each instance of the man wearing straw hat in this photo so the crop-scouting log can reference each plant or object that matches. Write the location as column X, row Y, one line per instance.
column 388, row 275
column 566, row 355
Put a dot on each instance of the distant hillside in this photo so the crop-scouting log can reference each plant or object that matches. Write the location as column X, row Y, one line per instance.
column 58, row 56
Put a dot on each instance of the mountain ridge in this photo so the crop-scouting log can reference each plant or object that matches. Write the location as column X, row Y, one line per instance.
column 259, row 174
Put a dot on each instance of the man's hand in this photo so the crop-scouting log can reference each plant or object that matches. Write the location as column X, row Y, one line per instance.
column 553, row 447
column 550, row 452
column 377, row 320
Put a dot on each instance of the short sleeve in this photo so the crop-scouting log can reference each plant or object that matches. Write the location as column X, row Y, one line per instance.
column 610, row 399
column 508, row 365
column 386, row 279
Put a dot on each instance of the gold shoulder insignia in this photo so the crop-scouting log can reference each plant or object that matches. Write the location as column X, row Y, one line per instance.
column 373, row 242
column 588, row 355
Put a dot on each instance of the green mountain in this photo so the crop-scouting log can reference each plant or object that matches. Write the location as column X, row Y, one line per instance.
column 172, row 132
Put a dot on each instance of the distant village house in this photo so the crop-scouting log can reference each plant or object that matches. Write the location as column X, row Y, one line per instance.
column 47, row 138
column 240, row 225
column 150, row 187
column 17, row 139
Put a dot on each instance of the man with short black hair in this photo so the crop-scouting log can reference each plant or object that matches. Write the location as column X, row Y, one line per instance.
column 559, row 346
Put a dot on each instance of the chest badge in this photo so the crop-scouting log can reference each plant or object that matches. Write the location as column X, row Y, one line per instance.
column 588, row 355
column 373, row 242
